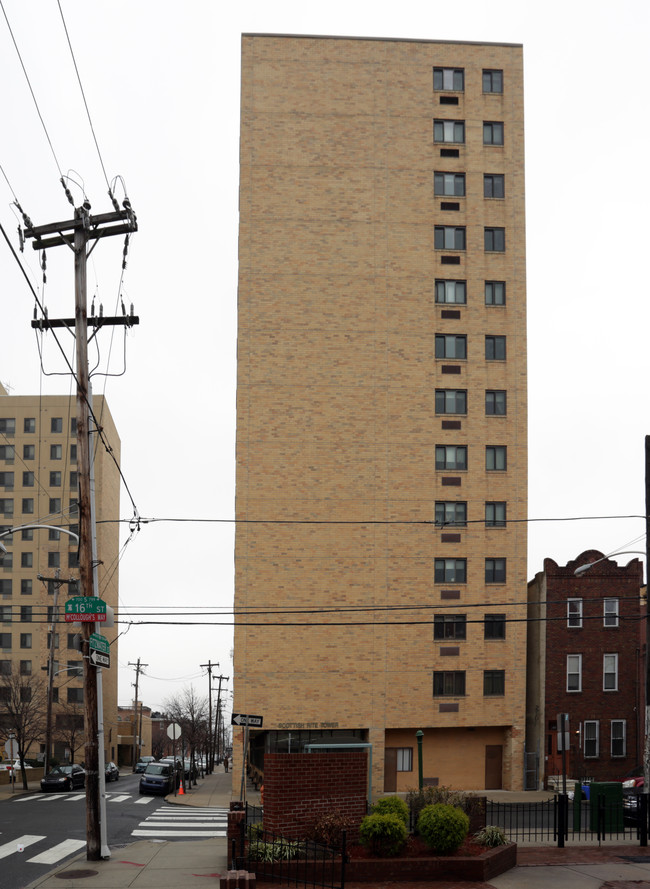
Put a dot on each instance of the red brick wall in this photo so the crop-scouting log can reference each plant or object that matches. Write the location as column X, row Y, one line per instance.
column 300, row 787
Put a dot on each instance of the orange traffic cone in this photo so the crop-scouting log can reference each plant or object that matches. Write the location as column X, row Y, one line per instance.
column 181, row 792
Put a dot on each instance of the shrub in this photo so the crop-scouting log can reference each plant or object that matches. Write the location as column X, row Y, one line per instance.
column 392, row 805
column 328, row 829
column 443, row 827
column 383, row 834
column 491, row 836
column 275, row 851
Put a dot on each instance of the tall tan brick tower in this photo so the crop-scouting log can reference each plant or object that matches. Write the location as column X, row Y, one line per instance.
column 381, row 437
column 38, row 485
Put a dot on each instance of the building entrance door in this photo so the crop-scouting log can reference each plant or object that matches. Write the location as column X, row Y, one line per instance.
column 493, row 766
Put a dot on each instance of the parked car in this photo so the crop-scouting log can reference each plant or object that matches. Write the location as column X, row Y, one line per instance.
column 112, row 773
column 634, row 778
column 142, row 763
column 158, row 777
column 64, row 778
column 9, row 766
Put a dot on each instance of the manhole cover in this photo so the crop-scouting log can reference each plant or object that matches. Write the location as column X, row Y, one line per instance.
column 76, row 874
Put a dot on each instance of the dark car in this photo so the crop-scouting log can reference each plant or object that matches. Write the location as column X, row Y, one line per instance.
column 158, row 777
column 64, row 778
column 142, row 763
column 112, row 772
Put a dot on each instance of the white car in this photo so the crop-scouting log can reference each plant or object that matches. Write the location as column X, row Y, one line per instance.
column 10, row 766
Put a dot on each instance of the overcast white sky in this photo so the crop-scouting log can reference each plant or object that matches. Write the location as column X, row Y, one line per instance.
column 162, row 83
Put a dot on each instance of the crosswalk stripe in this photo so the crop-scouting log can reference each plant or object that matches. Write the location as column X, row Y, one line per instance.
column 178, row 833
column 118, row 799
column 10, row 848
column 156, row 824
column 144, row 800
column 56, row 853
column 33, row 796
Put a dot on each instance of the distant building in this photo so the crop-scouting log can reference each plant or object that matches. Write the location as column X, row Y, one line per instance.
column 380, row 549
column 586, row 649
column 142, row 724
column 39, row 485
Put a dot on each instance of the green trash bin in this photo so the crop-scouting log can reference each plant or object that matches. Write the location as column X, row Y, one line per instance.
column 611, row 794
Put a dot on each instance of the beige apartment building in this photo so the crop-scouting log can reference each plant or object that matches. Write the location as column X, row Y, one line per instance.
column 39, row 486
column 381, row 496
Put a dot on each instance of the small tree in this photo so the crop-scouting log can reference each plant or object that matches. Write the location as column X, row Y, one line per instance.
column 69, row 728
column 22, row 711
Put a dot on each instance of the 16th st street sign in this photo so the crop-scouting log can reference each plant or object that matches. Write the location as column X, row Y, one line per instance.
column 244, row 719
column 85, row 609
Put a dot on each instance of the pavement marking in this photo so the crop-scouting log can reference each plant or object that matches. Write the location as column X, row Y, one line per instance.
column 119, row 799
column 76, row 796
column 10, row 848
column 178, row 833
column 144, row 800
column 24, row 799
column 156, row 824
column 56, row 853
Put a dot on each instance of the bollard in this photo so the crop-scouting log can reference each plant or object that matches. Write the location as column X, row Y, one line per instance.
column 562, row 802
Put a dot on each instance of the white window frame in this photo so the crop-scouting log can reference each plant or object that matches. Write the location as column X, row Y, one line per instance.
column 588, row 724
column 574, row 613
column 610, row 613
column 574, row 668
column 622, row 737
column 449, row 131
column 610, row 660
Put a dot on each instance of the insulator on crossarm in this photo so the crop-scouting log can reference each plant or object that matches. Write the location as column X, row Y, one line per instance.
column 101, row 311
column 132, row 310
column 116, row 206
column 67, row 191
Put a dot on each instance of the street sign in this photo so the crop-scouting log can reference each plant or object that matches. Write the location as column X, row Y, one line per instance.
column 244, row 719
column 11, row 748
column 85, row 609
column 173, row 731
column 100, row 650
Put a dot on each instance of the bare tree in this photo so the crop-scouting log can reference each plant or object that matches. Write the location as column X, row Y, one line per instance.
column 70, row 726
column 191, row 712
column 22, row 711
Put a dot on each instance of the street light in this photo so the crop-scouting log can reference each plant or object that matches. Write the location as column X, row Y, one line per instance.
column 623, row 552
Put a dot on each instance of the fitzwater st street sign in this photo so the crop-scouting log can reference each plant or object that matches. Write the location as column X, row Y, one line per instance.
column 85, row 609
column 100, row 651
column 244, row 719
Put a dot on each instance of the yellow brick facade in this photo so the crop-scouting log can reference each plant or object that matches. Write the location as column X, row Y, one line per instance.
column 336, row 405
column 55, row 452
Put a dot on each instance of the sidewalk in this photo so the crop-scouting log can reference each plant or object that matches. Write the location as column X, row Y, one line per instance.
column 171, row 865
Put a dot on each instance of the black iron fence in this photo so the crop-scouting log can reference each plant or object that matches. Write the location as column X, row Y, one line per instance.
column 561, row 820
column 273, row 857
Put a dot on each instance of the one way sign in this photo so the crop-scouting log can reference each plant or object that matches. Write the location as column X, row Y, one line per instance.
column 244, row 719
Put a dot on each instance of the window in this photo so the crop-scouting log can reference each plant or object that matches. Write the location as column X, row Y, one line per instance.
column 404, row 759
column 610, row 672
column 55, row 479
column 610, row 613
column 492, row 132
column 450, row 570
column 25, row 668
column 6, row 613
column 5, row 668
column 29, row 424
column 25, row 640
column 73, row 426
column 73, row 559
column 74, row 641
column 495, row 293
column 451, row 512
column 450, row 345
column 54, row 560
column 7, row 560
column 495, row 570
column 25, row 587
column 494, row 683
column 27, row 534
column 492, row 80
column 74, row 481
column 494, row 240
column 494, row 626
column 7, row 425
column 448, row 682
column 574, row 613
column 25, row 694
column 26, row 613
column 73, row 506
column 494, row 185
column 495, row 348
column 449, row 626
column 28, row 505
column 53, row 534
column 496, row 458
column 55, row 505
column 449, row 237
column 27, row 560
column 75, row 669
column 495, row 514
column 7, row 453
column 449, row 184
column 5, row 586
column 451, row 457
column 75, row 696
column 451, row 401
column 28, row 479
column 574, row 672
column 29, row 452
column 6, row 506
column 618, row 737
column 450, row 79
column 56, row 424
column 591, row 738
column 449, row 131
column 7, row 480
column 454, row 292
column 495, row 402
column 56, row 452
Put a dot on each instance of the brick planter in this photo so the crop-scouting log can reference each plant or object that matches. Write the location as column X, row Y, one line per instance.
column 477, row 868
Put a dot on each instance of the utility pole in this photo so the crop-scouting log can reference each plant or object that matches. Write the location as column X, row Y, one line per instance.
column 209, row 667
column 138, row 667
column 76, row 234
column 220, row 678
